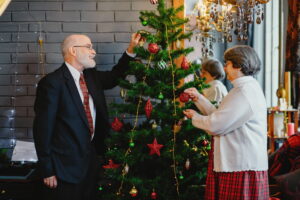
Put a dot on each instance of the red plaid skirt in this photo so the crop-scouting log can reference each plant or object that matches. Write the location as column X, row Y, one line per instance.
column 243, row 185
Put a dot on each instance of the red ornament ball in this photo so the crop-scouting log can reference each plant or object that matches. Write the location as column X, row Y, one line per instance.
column 116, row 125
column 153, row 48
column 205, row 142
column 153, row 195
column 185, row 64
column 184, row 97
column 148, row 108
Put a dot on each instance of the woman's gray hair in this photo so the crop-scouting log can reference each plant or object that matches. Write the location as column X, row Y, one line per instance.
column 214, row 68
column 244, row 57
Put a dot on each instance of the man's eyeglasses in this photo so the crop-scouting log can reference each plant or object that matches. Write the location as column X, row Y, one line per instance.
column 90, row 47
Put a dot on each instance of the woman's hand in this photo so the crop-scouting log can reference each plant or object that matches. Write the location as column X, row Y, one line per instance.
column 154, row 1
column 193, row 92
column 189, row 113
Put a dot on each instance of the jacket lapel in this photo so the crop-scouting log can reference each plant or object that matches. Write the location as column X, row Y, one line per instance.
column 98, row 99
column 74, row 94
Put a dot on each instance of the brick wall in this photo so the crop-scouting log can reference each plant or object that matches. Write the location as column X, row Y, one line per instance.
column 109, row 23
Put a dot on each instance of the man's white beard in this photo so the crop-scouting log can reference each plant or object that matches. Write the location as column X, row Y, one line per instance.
column 86, row 61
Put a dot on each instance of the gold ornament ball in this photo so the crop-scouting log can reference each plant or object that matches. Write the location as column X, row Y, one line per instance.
column 133, row 192
column 281, row 92
column 154, row 125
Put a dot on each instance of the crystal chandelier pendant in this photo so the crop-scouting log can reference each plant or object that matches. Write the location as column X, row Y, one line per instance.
column 220, row 20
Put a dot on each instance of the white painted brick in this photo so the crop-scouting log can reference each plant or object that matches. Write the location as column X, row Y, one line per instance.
column 12, row 90
column 23, row 122
column 128, row 16
column 112, row 47
column 5, row 101
column 114, row 27
column 17, row 6
column 79, row 27
column 79, row 6
column 6, row 17
column 25, row 37
column 143, row 5
column 13, row 26
column 63, row 16
column 101, row 37
column 122, row 37
column 97, row 16
column 56, row 37
column 25, row 58
column 105, row 59
column 13, row 68
column 5, row 58
column 36, row 69
column 54, row 58
column 46, row 27
column 25, row 16
column 25, row 101
column 45, row 6
column 18, row 111
column 13, row 47
column 24, row 79
column 48, row 47
column 5, row 37
column 113, row 6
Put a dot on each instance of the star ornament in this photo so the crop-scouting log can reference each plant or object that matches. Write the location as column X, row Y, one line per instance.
column 155, row 147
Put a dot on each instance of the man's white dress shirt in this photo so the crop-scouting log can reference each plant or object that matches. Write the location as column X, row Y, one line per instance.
column 76, row 75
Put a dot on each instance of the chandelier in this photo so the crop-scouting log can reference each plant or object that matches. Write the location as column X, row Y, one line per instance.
column 221, row 20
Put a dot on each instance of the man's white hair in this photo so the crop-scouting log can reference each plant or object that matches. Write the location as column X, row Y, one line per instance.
column 70, row 41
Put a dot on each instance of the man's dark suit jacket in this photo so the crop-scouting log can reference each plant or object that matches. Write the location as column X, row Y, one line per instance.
column 60, row 129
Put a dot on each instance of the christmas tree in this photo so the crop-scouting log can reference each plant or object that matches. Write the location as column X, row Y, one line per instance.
column 158, row 154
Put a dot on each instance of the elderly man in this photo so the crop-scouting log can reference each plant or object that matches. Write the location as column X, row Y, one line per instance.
column 71, row 119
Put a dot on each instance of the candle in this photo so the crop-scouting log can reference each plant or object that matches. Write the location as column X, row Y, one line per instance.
column 291, row 129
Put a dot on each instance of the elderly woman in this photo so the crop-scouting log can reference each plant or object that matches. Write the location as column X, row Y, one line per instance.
column 213, row 72
column 239, row 127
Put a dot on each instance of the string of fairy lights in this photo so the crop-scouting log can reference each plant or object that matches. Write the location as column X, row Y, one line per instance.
column 176, row 127
column 125, row 171
column 18, row 89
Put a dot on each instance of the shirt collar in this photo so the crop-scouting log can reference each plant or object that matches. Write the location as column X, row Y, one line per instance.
column 74, row 72
column 241, row 81
column 213, row 82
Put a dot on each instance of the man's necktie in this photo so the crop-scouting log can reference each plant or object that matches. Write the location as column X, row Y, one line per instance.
column 86, row 103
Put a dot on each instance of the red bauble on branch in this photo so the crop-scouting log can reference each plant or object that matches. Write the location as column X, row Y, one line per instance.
column 185, row 64
column 111, row 165
column 184, row 97
column 148, row 108
column 153, row 48
column 205, row 142
column 153, row 195
column 116, row 125
column 155, row 147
